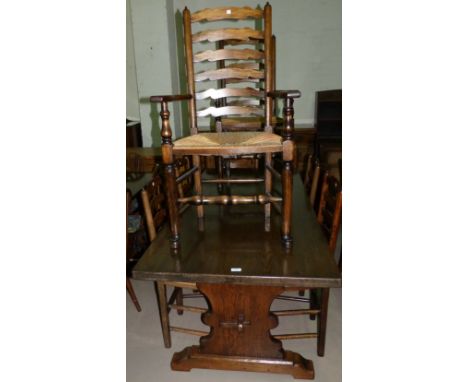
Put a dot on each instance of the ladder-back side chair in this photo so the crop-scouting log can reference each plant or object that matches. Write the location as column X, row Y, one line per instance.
column 329, row 217
column 229, row 143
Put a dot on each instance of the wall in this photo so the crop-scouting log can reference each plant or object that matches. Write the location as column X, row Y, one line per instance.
column 133, row 105
column 308, row 36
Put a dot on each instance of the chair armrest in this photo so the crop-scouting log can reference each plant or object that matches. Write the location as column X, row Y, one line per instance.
column 170, row 98
column 284, row 94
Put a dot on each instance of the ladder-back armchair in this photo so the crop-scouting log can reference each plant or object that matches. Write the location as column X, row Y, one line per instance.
column 229, row 143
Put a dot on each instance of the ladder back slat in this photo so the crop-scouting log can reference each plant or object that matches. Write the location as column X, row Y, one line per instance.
column 228, row 92
column 229, row 73
column 244, row 102
column 228, row 54
column 241, row 34
column 236, row 42
column 245, row 65
column 230, row 110
column 237, row 80
column 226, row 13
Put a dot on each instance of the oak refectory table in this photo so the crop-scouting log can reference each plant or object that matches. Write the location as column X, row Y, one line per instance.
column 240, row 269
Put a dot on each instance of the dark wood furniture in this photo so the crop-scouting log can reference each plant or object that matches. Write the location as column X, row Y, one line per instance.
column 130, row 289
column 142, row 159
column 314, row 186
column 221, row 143
column 134, row 138
column 329, row 217
column 240, row 269
column 329, row 214
column 154, row 209
column 328, row 118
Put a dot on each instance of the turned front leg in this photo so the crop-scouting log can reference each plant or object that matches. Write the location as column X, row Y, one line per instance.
column 169, row 174
column 287, row 176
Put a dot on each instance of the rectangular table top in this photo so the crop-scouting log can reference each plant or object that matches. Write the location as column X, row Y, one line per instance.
column 235, row 249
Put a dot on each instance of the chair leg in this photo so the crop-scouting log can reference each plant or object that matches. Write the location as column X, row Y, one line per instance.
column 197, row 177
column 268, row 187
column 132, row 294
column 339, row 261
column 219, row 170
column 322, row 321
column 179, row 300
column 314, row 184
column 313, row 302
column 227, row 170
column 163, row 312
column 287, row 179
column 169, row 174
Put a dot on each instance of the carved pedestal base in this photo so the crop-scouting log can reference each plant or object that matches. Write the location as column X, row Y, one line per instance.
column 292, row 363
column 240, row 337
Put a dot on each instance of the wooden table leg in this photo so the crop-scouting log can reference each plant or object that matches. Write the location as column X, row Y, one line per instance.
column 240, row 337
column 322, row 321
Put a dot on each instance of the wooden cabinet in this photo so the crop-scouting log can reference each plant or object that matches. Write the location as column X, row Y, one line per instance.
column 328, row 115
column 134, row 138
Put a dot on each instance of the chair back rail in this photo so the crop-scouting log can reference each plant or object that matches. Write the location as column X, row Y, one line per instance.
column 226, row 13
column 226, row 73
column 329, row 214
column 228, row 54
column 239, row 34
column 229, row 92
column 230, row 110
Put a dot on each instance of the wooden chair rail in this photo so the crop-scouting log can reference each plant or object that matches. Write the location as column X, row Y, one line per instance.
column 275, row 173
column 279, row 313
column 234, row 180
column 187, row 308
column 295, row 336
column 245, row 103
column 228, row 92
column 193, row 332
column 228, row 54
column 242, row 80
column 186, row 174
column 230, row 110
column 240, row 34
column 229, row 199
column 226, row 13
column 281, row 337
column 239, row 73
column 246, row 65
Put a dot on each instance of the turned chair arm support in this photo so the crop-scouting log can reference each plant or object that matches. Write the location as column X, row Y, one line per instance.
column 166, row 132
column 288, row 110
column 170, row 98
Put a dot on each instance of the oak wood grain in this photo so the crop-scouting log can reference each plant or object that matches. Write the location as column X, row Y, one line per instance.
column 221, row 74
column 230, row 110
column 240, row 34
column 228, row 54
column 226, row 13
column 237, row 239
column 229, row 92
